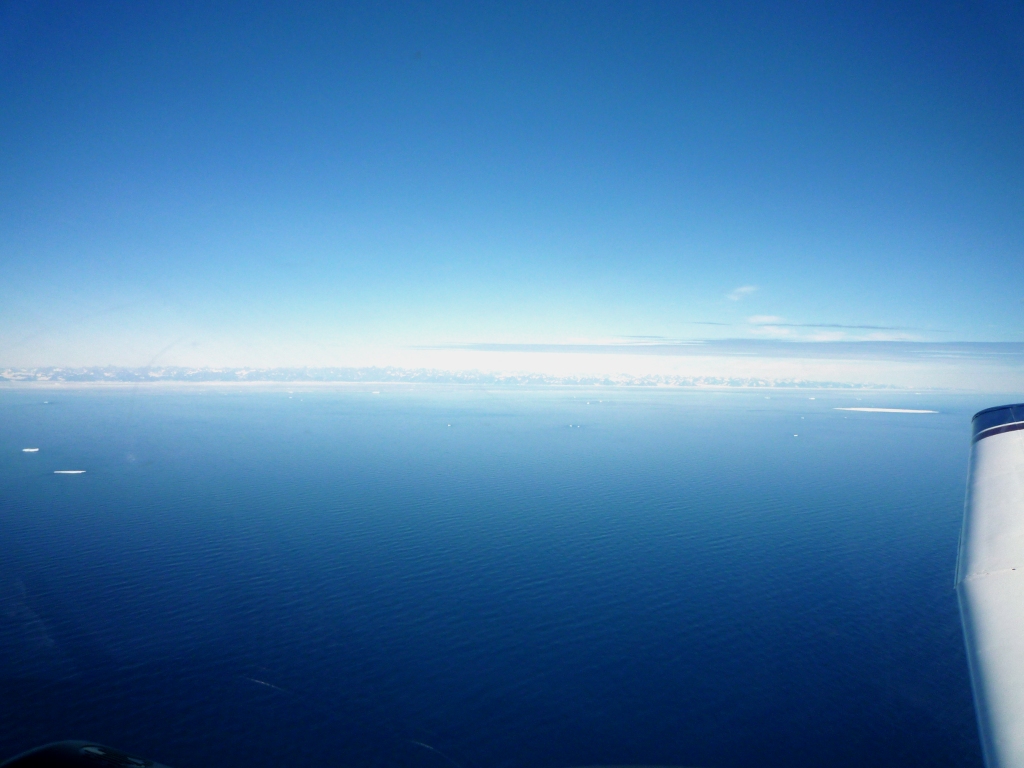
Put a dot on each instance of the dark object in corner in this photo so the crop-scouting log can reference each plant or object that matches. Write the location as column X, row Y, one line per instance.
column 77, row 754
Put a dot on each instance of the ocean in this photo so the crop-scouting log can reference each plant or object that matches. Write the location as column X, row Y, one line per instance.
column 465, row 577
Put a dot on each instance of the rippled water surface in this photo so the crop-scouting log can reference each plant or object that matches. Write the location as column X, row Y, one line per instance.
column 448, row 576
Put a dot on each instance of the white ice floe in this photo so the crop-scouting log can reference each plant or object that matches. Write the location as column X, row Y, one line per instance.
column 69, row 471
column 30, row 450
column 885, row 410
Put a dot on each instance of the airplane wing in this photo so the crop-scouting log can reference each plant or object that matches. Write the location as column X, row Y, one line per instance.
column 990, row 581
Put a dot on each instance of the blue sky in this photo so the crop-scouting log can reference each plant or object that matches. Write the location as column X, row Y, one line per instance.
column 339, row 184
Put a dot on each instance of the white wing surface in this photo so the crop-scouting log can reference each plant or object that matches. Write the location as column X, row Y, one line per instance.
column 990, row 581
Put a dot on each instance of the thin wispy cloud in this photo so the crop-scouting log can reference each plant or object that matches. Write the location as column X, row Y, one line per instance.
column 742, row 292
column 778, row 321
column 773, row 326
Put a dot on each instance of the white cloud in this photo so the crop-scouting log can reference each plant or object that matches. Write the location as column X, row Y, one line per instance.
column 741, row 292
column 828, row 336
column 774, row 332
column 772, row 327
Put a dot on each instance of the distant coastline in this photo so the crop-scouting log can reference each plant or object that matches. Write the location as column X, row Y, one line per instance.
column 113, row 376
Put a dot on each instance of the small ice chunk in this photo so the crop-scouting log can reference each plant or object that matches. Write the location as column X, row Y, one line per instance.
column 69, row 471
column 30, row 450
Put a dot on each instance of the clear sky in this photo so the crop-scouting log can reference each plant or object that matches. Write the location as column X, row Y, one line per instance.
column 351, row 183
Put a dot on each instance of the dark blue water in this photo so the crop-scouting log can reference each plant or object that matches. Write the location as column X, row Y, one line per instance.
column 439, row 576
